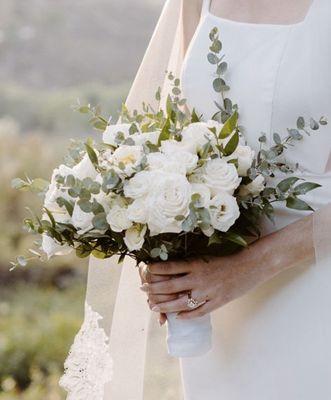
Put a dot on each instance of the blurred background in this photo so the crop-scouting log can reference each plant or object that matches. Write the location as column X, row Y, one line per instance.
column 51, row 54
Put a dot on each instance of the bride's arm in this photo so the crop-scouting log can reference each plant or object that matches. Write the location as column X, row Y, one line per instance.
column 224, row 279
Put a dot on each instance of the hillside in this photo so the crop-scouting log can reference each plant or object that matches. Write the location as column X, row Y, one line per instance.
column 51, row 44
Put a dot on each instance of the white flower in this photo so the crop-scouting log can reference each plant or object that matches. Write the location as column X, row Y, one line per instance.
column 220, row 176
column 245, row 156
column 160, row 162
column 84, row 169
column 135, row 237
column 129, row 157
column 60, row 214
column 203, row 191
column 139, row 185
column 170, row 198
column 138, row 211
column 118, row 219
column 81, row 220
column 52, row 248
column 112, row 133
column 174, row 152
column 105, row 159
column 196, row 135
column 254, row 188
column 224, row 211
column 142, row 138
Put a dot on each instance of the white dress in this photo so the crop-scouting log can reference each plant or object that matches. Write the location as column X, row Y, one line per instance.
column 275, row 342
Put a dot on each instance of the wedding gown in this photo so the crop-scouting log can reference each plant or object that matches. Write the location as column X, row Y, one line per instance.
column 275, row 342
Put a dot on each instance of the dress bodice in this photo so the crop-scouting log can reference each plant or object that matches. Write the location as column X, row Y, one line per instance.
column 271, row 78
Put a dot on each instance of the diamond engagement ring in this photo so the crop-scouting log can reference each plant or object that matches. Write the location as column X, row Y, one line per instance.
column 191, row 302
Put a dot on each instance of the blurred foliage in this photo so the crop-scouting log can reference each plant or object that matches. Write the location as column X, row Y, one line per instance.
column 51, row 110
column 37, row 326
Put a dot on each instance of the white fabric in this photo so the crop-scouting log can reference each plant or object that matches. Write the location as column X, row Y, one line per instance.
column 273, row 343
column 273, row 82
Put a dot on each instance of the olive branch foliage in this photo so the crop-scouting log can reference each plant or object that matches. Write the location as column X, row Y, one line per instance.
column 170, row 120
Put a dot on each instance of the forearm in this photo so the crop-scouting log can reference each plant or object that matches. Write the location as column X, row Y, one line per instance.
column 286, row 248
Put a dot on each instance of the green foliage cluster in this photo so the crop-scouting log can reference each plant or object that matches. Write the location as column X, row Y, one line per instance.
column 37, row 326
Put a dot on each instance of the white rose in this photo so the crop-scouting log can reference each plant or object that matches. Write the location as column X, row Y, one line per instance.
column 52, row 248
column 112, row 132
column 118, row 219
column 142, row 138
column 138, row 211
column 224, row 211
column 139, row 185
column 160, row 162
column 128, row 156
column 220, row 176
column 53, row 193
column 196, row 135
column 170, row 198
column 135, row 238
column 84, row 169
column 254, row 188
column 245, row 156
column 174, row 151
column 203, row 191
column 81, row 220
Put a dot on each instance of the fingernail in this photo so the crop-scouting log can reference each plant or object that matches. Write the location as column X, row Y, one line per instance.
column 156, row 309
column 144, row 287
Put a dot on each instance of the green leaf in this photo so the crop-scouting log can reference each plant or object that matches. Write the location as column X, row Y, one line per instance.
column 313, row 124
column 236, row 238
column 297, row 204
column 165, row 133
column 305, row 187
column 100, row 222
column 221, row 69
column 194, row 116
column 212, row 58
column 214, row 239
column 219, row 85
column 286, row 184
column 277, row 138
column 229, row 125
column 50, row 216
column 92, row 154
column 84, row 109
column 19, row 184
column 232, row 144
column 99, row 254
column 155, row 252
column 301, row 123
column 82, row 251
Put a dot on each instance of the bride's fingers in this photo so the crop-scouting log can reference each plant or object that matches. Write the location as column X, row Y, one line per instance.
column 180, row 304
column 161, row 298
column 204, row 309
column 171, row 286
column 170, row 268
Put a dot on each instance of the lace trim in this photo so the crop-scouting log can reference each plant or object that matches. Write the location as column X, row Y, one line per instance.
column 89, row 365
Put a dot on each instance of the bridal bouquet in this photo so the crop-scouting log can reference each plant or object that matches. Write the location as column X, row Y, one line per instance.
column 166, row 183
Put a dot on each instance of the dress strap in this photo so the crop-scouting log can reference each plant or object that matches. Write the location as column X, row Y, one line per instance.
column 205, row 7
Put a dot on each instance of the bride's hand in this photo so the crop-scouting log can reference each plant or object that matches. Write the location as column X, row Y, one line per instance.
column 213, row 284
column 223, row 279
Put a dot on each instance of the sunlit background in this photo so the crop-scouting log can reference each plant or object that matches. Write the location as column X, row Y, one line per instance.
column 51, row 54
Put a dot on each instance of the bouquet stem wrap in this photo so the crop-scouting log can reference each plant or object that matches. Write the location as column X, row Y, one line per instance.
column 189, row 338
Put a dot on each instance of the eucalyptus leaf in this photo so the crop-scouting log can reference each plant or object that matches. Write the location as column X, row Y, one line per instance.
column 298, row 204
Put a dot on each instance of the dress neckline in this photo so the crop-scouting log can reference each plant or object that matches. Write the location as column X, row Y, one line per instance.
column 209, row 14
